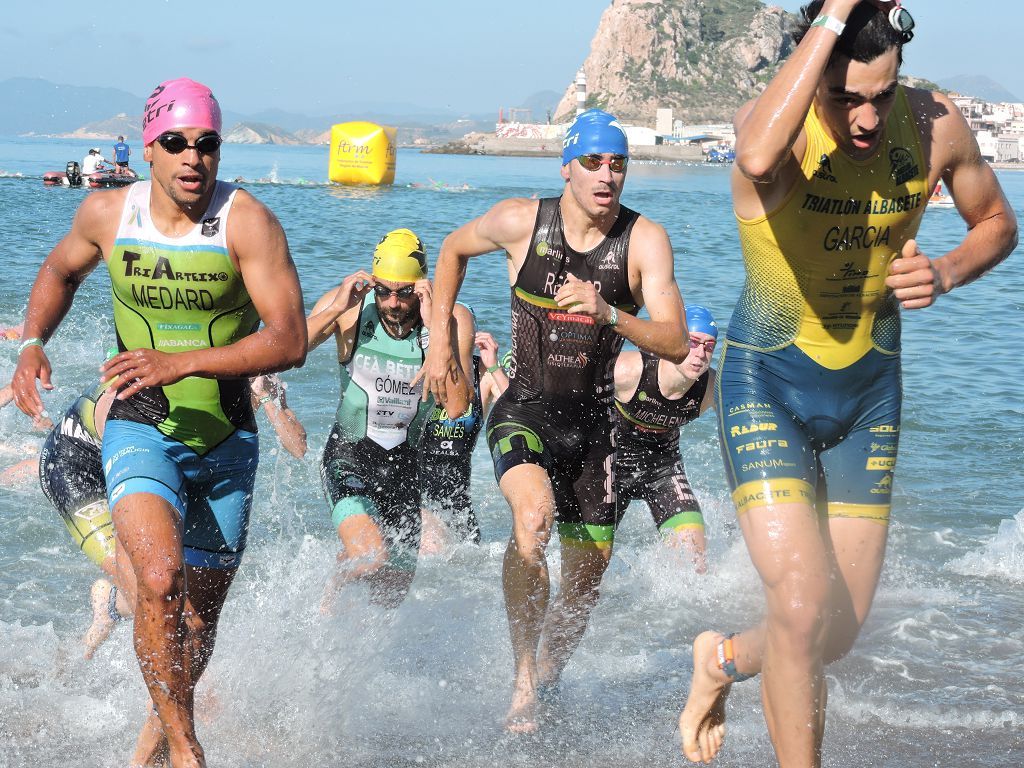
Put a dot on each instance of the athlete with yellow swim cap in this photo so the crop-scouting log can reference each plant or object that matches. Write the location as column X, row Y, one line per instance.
column 381, row 325
column 834, row 164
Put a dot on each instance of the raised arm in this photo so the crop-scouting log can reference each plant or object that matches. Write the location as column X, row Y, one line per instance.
column 768, row 128
column 709, row 393
column 54, row 290
column 493, row 379
column 917, row 280
column 457, row 392
column 256, row 238
column 505, row 226
column 325, row 319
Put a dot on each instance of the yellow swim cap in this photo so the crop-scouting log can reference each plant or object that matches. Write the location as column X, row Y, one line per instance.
column 400, row 257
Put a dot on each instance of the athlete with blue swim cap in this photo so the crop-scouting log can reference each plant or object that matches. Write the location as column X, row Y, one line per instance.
column 653, row 399
column 594, row 132
column 580, row 266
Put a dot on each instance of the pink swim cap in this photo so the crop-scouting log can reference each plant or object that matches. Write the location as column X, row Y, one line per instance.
column 180, row 103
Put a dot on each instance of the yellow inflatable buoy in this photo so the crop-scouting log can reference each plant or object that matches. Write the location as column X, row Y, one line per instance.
column 362, row 153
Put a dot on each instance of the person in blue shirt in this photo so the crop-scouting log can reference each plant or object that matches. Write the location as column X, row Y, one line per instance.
column 121, row 154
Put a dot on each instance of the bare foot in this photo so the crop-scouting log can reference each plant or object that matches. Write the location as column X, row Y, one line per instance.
column 522, row 713
column 702, row 722
column 189, row 755
column 151, row 746
column 102, row 623
column 434, row 534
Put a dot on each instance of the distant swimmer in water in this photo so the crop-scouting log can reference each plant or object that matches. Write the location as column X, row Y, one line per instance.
column 835, row 161
column 440, row 186
column 653, row 399
column 580, row 266
column 381, row 324
column 40, row 423
column 446, row 454
column 180, row 448
column 12, row 333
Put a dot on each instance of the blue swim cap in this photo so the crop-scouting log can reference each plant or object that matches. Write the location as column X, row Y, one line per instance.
column 700, row 320
column 594, row 133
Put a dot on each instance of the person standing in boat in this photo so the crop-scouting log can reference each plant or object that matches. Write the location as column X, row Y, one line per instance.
column 121, row 154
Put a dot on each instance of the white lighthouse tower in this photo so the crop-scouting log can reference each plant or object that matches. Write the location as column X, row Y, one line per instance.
column 581, row 91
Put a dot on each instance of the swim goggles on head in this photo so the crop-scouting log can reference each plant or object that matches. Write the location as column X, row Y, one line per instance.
column 901, row 20
column 616, row 163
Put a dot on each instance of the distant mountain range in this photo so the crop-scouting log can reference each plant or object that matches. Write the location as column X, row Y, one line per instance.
column 51, row 109
column 978, row 86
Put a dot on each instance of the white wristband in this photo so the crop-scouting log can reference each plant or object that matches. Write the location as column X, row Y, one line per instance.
column 33, row 342
column 830, row 23
column 613, row 316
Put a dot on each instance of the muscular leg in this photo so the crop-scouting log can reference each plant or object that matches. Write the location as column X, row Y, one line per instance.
column 583, row 565
column 691, row 545
column 147, row 531
column 856, row 548
column 526, row 583
column 788, row 550
column 150, row 746
column 206, row 589
column 859, row 551
column 434, row 536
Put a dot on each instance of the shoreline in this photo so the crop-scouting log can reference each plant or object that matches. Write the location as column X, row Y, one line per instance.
column 490, row 145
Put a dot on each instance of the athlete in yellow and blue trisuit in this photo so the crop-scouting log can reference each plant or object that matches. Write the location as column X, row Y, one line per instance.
column 809, row 394
column 834, row 162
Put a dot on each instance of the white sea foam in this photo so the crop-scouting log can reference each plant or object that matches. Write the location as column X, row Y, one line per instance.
column 864, row 707
column 1001, row 557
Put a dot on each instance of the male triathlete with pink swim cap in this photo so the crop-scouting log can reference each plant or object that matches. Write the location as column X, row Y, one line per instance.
column 195, row 266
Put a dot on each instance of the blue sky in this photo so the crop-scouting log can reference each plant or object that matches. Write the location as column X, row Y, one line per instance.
column 312, row 56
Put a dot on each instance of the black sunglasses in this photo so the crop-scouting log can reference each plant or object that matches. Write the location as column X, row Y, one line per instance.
column 383, row 292
column 617, row 163
column 175, row 143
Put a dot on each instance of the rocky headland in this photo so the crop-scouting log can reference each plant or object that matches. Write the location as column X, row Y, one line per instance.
column 702, row 58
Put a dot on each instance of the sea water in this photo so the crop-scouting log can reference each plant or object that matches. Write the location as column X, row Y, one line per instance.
column 934, row 680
